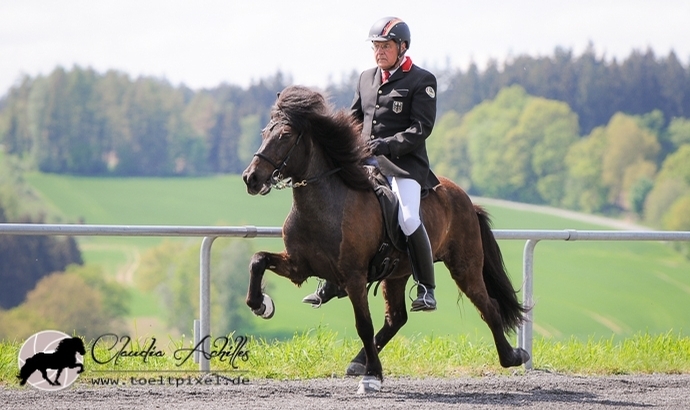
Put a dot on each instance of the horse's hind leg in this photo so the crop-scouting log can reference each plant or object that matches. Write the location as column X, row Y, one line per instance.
column 57, row 376
column 44, row 373
column 396, row 316
column 468, row 276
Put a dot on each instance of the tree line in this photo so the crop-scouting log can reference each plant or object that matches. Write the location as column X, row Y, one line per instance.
column 82, row 122
column 594, row 88
column 85, row 123
column 529, row 149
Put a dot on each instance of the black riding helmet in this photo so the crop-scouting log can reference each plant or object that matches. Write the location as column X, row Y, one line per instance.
column 390, row 28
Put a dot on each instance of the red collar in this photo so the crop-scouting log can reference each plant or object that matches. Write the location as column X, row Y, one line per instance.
column 406, row 65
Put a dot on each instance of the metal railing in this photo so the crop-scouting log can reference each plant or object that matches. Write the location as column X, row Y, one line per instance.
column 203, row 325
column 525, row 332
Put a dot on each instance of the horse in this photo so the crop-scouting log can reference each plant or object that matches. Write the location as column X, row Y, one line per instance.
column 335, row 227
column 63, row 357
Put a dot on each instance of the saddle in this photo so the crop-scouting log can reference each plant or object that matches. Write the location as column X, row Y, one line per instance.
column 382, row 264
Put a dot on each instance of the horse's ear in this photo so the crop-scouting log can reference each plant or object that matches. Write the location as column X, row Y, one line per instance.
column 278, row 94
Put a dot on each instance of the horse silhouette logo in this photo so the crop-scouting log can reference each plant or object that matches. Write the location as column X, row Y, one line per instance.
column 46, row 356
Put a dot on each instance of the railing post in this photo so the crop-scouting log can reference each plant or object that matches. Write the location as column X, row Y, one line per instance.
column 205, row 302
column 525, row 335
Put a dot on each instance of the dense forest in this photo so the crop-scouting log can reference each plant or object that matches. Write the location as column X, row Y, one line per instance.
column 83, row 122
column 594, row 89
column 578, row 132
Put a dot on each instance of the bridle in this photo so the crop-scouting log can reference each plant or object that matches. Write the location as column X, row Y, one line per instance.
column 277, row 180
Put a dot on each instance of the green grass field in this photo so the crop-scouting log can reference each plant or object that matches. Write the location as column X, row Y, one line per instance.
column 582, row 289
column 323, row 353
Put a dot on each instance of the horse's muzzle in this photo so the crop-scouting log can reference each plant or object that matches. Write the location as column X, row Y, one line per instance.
column 255, row 185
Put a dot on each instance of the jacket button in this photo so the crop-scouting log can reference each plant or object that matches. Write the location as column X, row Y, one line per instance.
column 374, row 121
column 380, row 92
column 373, row 137
column 377, row 106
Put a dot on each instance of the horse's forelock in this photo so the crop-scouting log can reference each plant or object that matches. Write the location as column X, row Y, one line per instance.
column 300, row 105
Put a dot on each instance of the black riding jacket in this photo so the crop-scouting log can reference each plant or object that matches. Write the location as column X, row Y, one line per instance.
column 402, row 112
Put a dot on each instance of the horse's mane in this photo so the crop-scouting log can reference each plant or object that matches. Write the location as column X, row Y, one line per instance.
column 68, row 344
column 336, row 132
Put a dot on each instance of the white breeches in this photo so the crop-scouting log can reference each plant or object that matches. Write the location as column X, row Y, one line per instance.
column 409, row 194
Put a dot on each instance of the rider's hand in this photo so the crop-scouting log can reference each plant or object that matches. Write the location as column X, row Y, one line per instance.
column 378, row 147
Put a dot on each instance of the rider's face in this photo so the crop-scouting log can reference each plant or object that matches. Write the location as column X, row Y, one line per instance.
column 385, row 53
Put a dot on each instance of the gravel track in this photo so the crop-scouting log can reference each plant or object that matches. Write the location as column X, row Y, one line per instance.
column 533, row 390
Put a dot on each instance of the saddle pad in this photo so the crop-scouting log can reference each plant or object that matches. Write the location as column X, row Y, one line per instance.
column 389, row 208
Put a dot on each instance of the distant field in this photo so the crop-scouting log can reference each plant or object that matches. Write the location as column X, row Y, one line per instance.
column 582, row 289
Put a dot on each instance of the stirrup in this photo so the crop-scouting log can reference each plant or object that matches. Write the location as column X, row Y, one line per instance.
column 323, row 294
column 424, row 303
column 314, row 299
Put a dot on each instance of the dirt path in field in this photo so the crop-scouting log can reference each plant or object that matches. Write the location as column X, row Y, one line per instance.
column 125, row 273
column 534, row 390
column 564, row 213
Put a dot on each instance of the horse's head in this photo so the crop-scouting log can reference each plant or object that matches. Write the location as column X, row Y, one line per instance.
column 306, row 141
column 284, row 151
column 275, row 160
column 71, row 345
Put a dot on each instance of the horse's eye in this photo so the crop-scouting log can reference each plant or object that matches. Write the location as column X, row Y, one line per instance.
column 284, row 135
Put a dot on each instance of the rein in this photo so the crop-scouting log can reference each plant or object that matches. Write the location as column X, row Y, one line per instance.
column 277, row 180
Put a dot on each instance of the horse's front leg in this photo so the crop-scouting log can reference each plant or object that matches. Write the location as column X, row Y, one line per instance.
column 365, row 329
column 396, row 317
column 258, row 302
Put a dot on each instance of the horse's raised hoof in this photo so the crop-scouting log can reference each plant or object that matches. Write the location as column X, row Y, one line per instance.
column 369, row 384
column 356, row 369
column 267, row 308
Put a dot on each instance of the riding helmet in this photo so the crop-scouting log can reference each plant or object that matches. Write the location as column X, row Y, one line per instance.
column 390, row 28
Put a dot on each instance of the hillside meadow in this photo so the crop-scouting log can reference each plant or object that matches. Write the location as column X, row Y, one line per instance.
column 582, row 289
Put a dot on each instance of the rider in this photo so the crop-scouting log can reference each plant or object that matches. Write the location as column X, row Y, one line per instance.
column 396, row 103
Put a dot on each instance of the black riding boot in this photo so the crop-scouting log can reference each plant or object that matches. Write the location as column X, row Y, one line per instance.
column 324, row 293
column 419, row 250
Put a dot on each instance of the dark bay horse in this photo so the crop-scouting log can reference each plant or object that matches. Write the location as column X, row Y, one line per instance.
column 335, row 227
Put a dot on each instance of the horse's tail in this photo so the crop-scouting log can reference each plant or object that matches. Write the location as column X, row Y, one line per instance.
column 26, row 371
column 496, row 279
